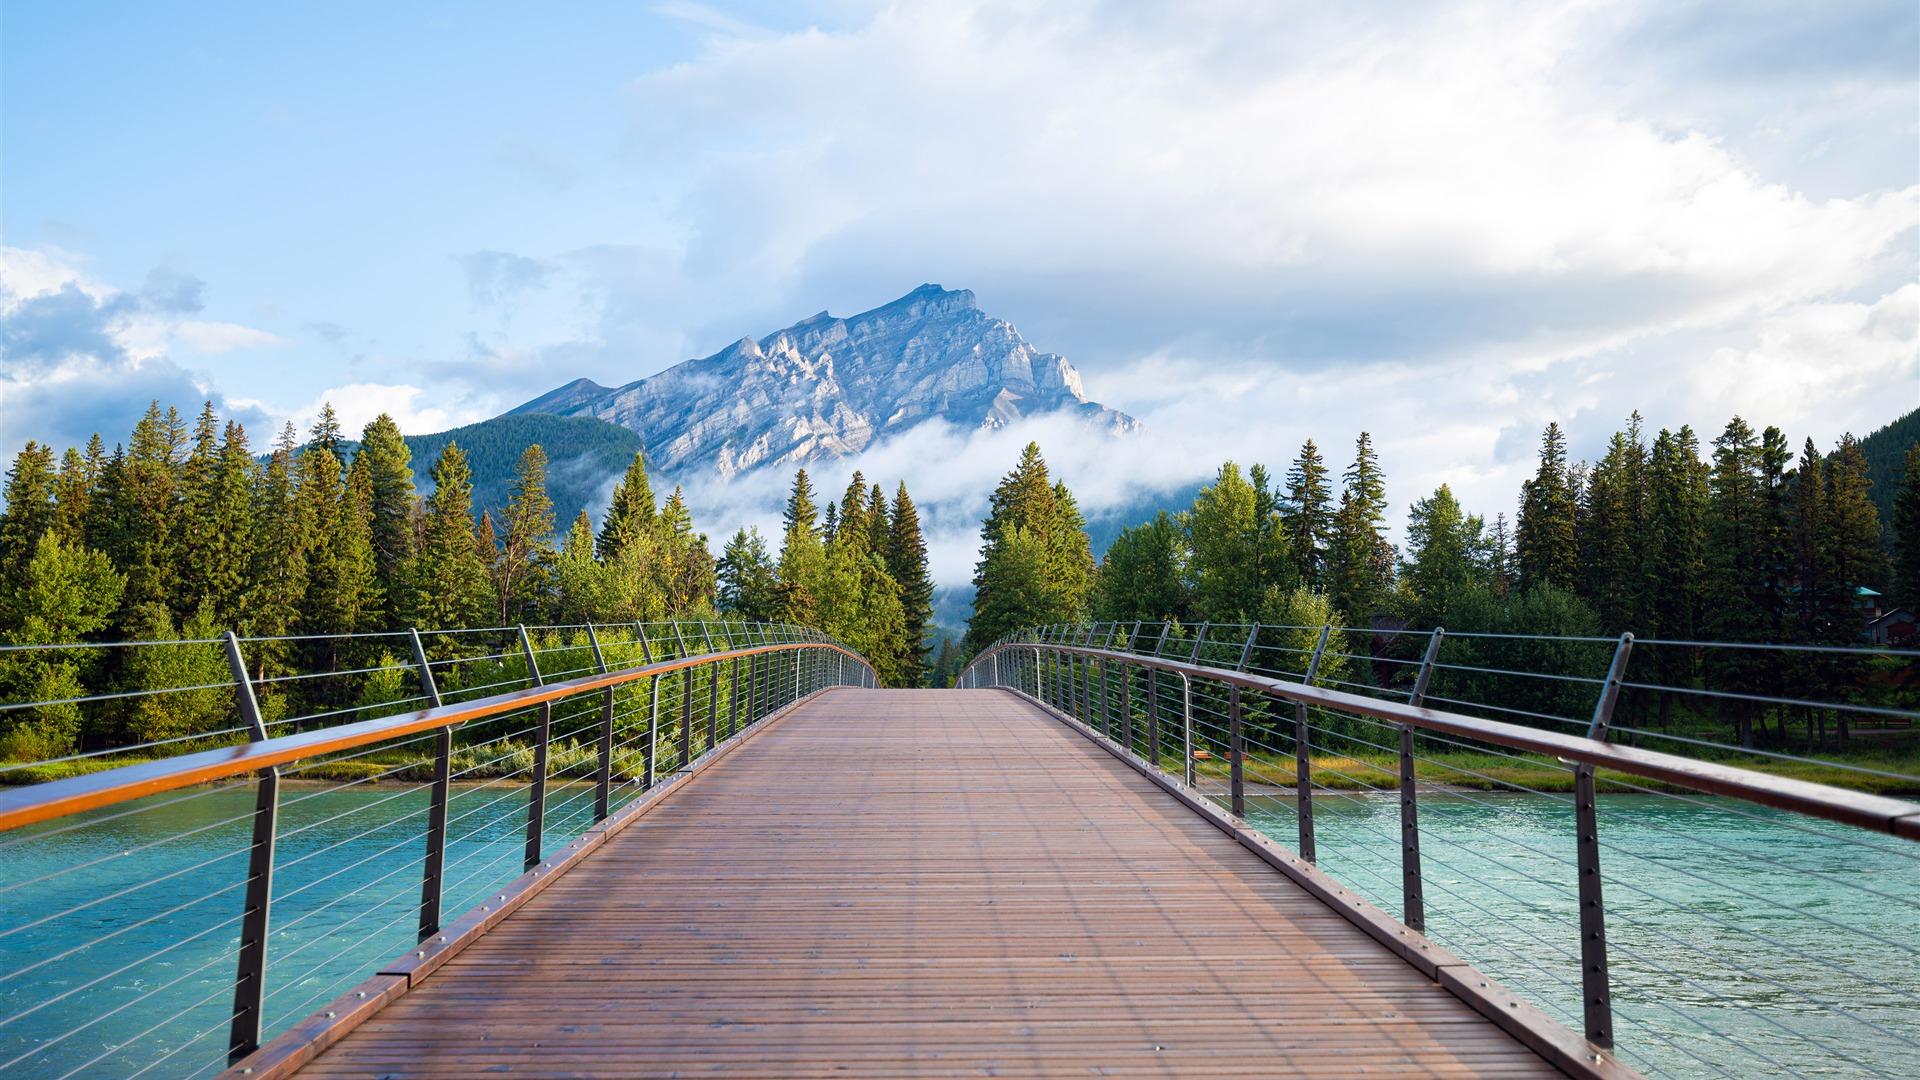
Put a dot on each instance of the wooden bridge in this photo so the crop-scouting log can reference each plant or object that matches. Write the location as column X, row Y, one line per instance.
column 908, row 883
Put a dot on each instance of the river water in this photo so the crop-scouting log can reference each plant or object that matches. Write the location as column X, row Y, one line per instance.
column 1744, row 943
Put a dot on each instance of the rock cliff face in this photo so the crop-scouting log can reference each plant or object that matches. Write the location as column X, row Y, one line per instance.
column 824, row 388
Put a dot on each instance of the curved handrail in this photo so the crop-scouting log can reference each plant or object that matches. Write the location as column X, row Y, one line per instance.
column 58, row 798
column 1877, row 813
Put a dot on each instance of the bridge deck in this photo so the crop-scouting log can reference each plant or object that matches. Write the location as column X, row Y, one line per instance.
column 897, row 883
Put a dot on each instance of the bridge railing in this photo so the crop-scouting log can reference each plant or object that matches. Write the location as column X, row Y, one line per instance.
column 1729, row 918
column 169, row 904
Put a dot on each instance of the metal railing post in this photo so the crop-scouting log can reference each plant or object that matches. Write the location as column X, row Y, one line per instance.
column 250, row 975
column 537, row 797
column 1153, row 715
column 686, row 717
column 653, row 713
column 603, row 776
column 1186, row 720
column 1246, row 653
column 1413, row 903
column 1596, row 984
column 1303, row 755
column 1235, row 767
column 1106, row 712
column 713, row 703
column 433, row 869
column 733, row 698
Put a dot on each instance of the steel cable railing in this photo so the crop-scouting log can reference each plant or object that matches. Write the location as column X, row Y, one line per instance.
column 1697, row 905
column 167, row 904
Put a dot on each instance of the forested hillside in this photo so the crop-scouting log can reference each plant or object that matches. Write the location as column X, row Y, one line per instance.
column 584, row 455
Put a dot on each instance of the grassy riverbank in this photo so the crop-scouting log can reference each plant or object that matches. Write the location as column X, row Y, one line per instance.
column 1499, row 772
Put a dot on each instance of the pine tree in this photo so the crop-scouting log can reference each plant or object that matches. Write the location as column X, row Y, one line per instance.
column 388, row 462
column 879, row 526
column 1855, row 559
column 145, row 510
column 1906, row 532
column 1439, row 565
column 1142, row 576
column 852, row 518
column 802, row 556
column 1045, row 514
column 73, row 496
column 1736, row 527
column 1676, row 541
column 1610, row 533
column 1546, row 536
column 1813, row 588
column 1223, row 536
column 1359, row 568
column 450, row 584
column 1496, row 557
column 278, row 570
column 748, row 582
column 1308, row 515
column 30, row 495
column 526, row 551
column 907, row 563
column 631, row 513
column 326, row 431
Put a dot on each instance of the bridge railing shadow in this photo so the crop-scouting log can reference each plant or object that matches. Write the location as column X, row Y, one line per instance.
column 1699, row 855
column 274, row 820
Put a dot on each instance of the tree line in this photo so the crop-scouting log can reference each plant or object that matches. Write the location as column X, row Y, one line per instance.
column 1740, row 541
column 182, row 533
column 858, row 570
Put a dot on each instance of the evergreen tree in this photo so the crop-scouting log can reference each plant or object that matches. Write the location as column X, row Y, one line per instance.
column 879, row 526
column 1610, row 534
column 342, row 592
column 1045, row 517
column 1359, row 568
column 802, row 556
column 30, row 495
column 1855, row 559
column 277, row 572
column 1224, row 534
column 1813, row 596
column 632, row 512
column 1441, row 541
column 1906, row 532
column 326, row 431
column 853, row 513
column 526, row 552
column 749, row 584
column 686, row 570
column 450, row 583
column 388, row 462
column 907, row 563
column 1545, row 537
column 147, row 504
column 1676, row 545
column 73, row 496
column 1142, row 576
column 1496, row 557
column 1309, row 516
column 1736, row 537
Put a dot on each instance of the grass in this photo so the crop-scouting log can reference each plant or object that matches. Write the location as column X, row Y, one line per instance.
column 1518, row 772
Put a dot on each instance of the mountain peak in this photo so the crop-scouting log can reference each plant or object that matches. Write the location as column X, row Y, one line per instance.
column 825, row 388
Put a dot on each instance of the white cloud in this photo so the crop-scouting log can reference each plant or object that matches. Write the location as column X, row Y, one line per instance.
column 356, row 404
column 219, row 337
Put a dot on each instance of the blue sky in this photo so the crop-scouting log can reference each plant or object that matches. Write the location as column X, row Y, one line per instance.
column 1247, row 222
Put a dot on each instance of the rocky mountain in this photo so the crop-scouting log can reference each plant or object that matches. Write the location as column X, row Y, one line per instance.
column 824, row 387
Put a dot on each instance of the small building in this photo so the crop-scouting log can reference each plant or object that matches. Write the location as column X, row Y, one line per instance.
column 1897, row 627
column 1867, row 603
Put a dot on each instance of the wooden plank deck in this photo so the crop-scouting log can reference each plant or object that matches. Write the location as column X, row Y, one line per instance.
column 924, row 883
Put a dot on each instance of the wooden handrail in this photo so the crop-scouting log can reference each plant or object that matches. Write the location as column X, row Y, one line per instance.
column 58, row 798
column 1877, row 813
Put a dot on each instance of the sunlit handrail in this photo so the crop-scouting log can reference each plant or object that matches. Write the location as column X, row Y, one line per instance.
column 1876, row 812
column 56, row 798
